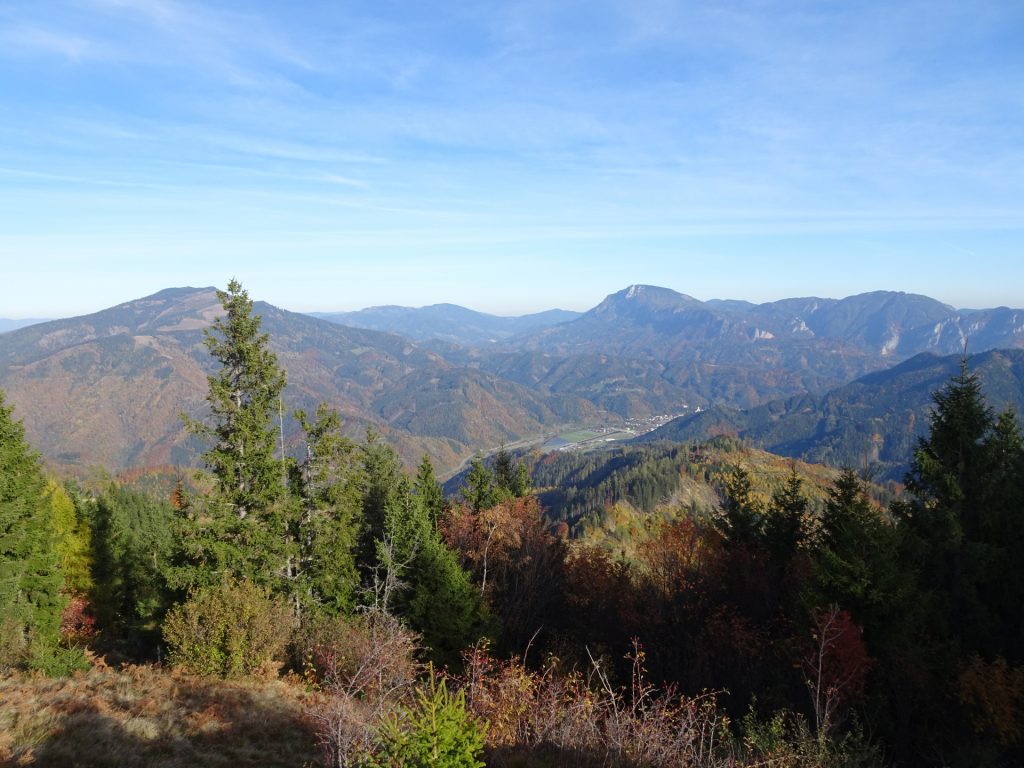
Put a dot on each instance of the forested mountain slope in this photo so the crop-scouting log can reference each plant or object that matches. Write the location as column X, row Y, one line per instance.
column 876, row 419
column 649, row 350
column 109, row 387
column 118, row 379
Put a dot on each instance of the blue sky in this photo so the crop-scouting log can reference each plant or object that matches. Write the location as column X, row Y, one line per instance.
column 509, row 156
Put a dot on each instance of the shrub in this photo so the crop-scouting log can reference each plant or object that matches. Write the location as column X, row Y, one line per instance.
column 232, row 629
column 570, row 716
column 55, row 662
column 13, row 644
column 370, row 655
column 22, row 648
column 786, row 740
column 437, row 731
column 366, row 665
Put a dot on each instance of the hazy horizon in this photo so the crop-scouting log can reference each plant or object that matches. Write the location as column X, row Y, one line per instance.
column 37, row 317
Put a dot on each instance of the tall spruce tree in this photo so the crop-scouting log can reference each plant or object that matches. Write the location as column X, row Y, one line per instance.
column 381, row 476
column 511, row 477
column 328, row 485
column 429, row 490
column 480, row 490
column 962, row 531
column 784, row 528
column 855, row 565
column 438, row 599
column 241, row 529
column 131, row 544
column 960, row 537
column 30, row 579
column 243, row 398
column 743, row 524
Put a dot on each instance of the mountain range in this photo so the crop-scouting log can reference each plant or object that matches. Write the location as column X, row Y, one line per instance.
column 649, row 350
column 874, row 421
column 109, row 387
column 446, row 322
column 645, row 320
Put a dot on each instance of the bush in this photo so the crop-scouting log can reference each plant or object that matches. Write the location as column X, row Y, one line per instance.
column 366, row 665
column 551, row 717
column 370, row 655
column 56, row 662
column 437, row 731
column 21, row 648
column 13, row 644
column 228, row 630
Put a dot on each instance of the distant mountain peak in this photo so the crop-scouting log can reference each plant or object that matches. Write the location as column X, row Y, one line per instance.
column 650, row 296
column 173, row 293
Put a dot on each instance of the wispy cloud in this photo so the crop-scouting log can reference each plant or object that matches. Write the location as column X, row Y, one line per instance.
column 32, row 40
column 525, row 127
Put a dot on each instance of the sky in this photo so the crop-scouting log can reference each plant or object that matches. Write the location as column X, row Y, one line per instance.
column 509, row 156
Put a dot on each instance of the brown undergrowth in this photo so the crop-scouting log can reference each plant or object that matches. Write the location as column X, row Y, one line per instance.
column 148, row 716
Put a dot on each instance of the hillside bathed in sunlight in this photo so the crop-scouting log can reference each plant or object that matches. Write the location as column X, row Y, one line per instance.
column 603, row 385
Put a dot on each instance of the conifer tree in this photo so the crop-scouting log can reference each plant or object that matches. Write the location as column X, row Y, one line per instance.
column 439, row 601
column 30, row 580
column 784, row 530
column 433, row 593
column 328, row 486
column 856, row 562
column 962, row 531
column 380, row 478
column 73, row 532
column 960, row 537
column 243, row 397
column 429, row 490
column 744, row 513
column 511, row 478
column 949, row 467
column 241, row 529
column 480, row 490
column 131, row 545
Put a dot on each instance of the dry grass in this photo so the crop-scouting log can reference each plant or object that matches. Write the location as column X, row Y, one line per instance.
column 146, row 716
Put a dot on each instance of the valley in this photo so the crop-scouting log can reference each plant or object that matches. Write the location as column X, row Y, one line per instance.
column 618, row 371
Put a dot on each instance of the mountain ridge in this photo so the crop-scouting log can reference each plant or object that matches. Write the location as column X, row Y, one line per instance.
column 446, row 322
column 875, row 419
column 121, row 376
column 112, row 383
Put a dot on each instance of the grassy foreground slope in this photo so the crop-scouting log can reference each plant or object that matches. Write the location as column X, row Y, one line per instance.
column 147, row 717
